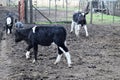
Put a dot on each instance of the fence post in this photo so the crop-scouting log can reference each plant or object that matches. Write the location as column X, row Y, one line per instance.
column 21, row 10
column 26, row 11
column 55, row 10
column 66, row 10
column 49, row 6
column 114, row 5
column 31, row 12
column 102, row 9
column 79, row 5
column 91, row 14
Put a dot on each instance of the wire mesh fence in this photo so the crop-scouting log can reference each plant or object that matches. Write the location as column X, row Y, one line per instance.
column 62, row 11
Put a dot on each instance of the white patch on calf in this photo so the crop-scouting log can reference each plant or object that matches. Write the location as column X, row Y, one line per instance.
column 65, row 43
column 86, row 31
column 53, row 45
column 8, row 20
column 77, row 30
column 34, row 61
column 34, row 29
column 83, row 14
column 62, row 49
column 72, row 26
column 58, row 58
column 27, row 54
column 8, row 31
column 68, row 57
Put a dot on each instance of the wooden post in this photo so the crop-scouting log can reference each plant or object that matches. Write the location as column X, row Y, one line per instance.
column 66, row 10
column 91, row 14
column 114, row 5
column 26, row 11
column 102, row 9
column 31, row 12
column 22, row 11
column 49, row 6
column 79, row 5
column 55, row 11
column 35, row 15
column 19, row 10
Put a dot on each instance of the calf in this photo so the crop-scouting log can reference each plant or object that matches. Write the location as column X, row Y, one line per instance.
column 18, row 24
column 9, row 24
column 45, row 36
column 79, row 20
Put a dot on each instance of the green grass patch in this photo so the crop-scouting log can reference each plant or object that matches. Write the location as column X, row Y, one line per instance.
column 97, row 19
column 58, row 22
column 106, row 19
column 60, row 8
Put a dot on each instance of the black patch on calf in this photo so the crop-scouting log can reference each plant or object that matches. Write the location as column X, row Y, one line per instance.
column 79, row 18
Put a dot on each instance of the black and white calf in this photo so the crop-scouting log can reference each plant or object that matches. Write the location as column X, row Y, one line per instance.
column 9, row 24
column 45, row 36
column 79, row 20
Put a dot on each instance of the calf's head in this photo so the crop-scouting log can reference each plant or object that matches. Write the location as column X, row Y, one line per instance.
column 82, row 16
column 18, row 36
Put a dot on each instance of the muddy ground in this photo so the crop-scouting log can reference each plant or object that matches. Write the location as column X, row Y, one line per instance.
column 96, row 57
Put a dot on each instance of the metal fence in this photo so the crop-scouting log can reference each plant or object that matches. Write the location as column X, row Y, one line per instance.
column 62, row 11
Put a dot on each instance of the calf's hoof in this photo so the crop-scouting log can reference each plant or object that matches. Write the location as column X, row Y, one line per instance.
column 34, row 61
column 55, row 63
column 87, row 35
column 27, row 57
column 71, row 31
column 69, row 66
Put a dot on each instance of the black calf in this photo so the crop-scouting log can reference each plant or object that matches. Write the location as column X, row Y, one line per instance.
column 79, row 19
column 9, row 24
column 45, row 36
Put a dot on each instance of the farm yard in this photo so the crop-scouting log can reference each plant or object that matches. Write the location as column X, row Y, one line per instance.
column 96, row 57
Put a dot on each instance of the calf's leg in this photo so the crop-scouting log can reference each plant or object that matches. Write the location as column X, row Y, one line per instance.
column 28, row 51
column 35, row 50
column 59, row 56
column 86, row 31
column 72, row 26
column 64, row 49
column 10, row 29
column 77, row 30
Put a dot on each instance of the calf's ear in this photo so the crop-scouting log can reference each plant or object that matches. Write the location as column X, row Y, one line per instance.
column 86, row 12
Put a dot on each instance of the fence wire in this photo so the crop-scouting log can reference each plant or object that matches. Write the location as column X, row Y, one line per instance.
column 62, row 11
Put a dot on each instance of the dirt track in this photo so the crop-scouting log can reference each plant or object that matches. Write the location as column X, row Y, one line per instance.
column 94, row 58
